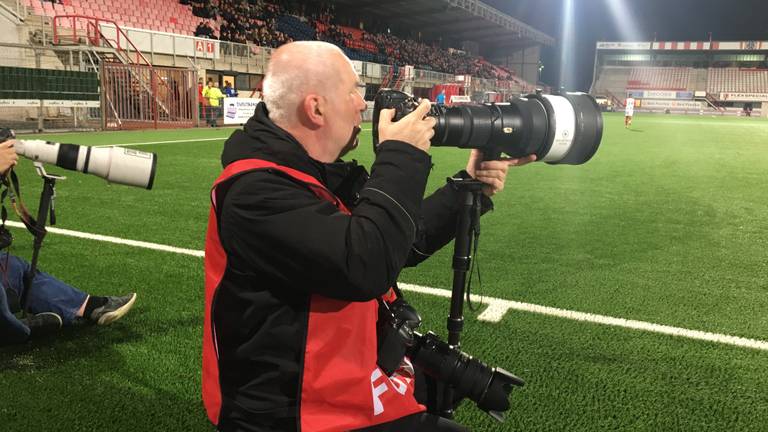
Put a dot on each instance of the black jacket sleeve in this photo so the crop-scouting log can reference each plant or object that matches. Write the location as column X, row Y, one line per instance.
column 273, row 225
column 437, row 226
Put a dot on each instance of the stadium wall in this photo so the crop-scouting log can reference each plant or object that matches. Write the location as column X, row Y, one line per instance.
column 12, row 33
column 524, row 61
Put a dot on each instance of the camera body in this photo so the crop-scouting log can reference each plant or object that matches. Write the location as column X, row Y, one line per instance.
column 488, row 387
column 403, row 104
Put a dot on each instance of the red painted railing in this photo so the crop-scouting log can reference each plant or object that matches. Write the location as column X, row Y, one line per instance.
column 94, row 35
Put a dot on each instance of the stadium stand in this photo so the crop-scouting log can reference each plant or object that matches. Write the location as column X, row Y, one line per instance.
column 136, row 46
column 272, row 24
column 659, row 78
column 157, row 15
column 737, row 80
column 729, row 77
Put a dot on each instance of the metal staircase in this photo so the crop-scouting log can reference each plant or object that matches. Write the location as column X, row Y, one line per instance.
column 134, row 93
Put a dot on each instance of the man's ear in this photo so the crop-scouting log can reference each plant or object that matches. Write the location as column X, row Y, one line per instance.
column 314, row 109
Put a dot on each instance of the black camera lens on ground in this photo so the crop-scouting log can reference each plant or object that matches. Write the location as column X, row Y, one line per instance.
column 558, row 129
column 488, row 387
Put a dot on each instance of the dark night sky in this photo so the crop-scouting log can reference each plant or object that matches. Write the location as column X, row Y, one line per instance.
column 670, row 20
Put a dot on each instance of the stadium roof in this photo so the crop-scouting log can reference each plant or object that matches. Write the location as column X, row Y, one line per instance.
column 470, row 20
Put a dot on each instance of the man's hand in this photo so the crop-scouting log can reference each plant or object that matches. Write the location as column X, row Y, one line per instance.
column 413, row 129
column 493, row 173
column 8, row 156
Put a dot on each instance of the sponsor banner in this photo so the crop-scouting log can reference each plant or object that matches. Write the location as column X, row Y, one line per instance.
column 358, row 65
column 671, row 104
column 700, row 94
column 659, row 94
column 745, row 97
column 27, row 103
column 239, row 110
column 406, row 72
column 71, row 104
column 624, row 45
column 459, row 99
column 19, row 102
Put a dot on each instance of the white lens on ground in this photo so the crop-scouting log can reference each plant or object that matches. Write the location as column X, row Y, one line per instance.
column 565, row 127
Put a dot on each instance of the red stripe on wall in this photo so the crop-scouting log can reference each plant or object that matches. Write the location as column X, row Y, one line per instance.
column 674, row 45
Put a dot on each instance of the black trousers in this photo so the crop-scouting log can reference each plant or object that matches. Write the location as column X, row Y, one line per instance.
column 420, row 422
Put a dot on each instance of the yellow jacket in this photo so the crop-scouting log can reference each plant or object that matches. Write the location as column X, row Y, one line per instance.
column 214, row 95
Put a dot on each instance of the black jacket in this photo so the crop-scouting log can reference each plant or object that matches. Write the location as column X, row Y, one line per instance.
column 284, row 244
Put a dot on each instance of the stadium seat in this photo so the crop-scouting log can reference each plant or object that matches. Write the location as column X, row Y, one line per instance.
column 721, row 80
column 659, row 78
column 132, row 13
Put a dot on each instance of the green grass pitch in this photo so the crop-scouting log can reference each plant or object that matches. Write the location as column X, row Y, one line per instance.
column 668, row 224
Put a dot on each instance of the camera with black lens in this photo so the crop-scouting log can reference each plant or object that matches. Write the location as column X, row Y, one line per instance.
column 558, row 129
column 487, row 386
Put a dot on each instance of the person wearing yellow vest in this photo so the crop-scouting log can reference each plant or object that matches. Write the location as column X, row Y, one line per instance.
column 214, row 96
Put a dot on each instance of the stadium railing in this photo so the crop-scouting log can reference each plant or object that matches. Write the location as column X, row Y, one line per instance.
column 47, row 88
column 19, row 11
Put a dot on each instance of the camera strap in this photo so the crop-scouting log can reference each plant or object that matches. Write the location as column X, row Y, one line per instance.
column 475, row 227
column 12, row 190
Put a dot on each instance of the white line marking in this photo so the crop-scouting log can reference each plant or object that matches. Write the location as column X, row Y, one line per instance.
column 117, row 240
column 173, row 141
column 496, row 309
column 162, row 142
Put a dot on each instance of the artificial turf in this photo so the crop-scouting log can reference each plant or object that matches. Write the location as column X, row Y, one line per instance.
column 666, row 224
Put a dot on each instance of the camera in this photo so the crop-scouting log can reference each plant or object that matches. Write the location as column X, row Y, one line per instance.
column 488, row 387
column 558, row 129
column 114, row 164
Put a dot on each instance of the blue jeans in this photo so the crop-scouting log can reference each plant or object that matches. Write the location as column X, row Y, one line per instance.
column 48, row 295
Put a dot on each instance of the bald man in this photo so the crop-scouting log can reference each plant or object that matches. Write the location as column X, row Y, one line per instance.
column 302, row 247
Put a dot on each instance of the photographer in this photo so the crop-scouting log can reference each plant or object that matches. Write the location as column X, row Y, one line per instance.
column 52, row 303
column 300, row 246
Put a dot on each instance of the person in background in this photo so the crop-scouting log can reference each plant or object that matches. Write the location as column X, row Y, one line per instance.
column 214, row 103
column 629, row 111
column 440, row 99
column 229, row 91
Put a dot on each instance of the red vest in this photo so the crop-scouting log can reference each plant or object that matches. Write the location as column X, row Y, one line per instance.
column 342, row 388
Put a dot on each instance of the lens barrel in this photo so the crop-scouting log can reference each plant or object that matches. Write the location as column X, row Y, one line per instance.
column 558, row 129
column 488, row 387
column 115, row 164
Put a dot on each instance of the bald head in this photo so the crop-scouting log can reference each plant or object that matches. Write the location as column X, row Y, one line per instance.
column 298, row 69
